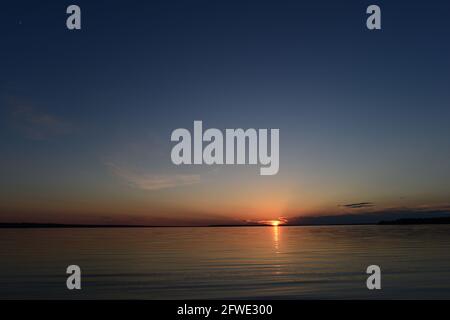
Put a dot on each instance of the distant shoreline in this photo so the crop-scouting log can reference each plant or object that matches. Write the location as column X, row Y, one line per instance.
column 118, row 226
column 26, row 225
column 415, row 221
column 405, row 221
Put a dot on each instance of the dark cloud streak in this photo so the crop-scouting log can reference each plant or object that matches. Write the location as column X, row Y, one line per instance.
column 358, row 205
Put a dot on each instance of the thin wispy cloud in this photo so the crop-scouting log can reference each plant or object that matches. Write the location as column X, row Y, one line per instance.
column 38, row 125
column 149, row 181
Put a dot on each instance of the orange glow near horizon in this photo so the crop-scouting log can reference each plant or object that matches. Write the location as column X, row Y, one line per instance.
column 275, row 223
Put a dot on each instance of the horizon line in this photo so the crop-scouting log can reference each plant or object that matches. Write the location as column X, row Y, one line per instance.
column 401, row 221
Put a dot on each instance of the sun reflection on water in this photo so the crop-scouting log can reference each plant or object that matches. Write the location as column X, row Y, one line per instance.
column 276, row 237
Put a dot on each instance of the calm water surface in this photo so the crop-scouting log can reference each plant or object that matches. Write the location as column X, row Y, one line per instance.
column 240, row 262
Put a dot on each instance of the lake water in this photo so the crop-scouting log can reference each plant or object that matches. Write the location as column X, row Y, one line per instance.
column 227, row 262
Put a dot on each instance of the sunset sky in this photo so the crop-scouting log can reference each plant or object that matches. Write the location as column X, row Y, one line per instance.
column 86, row 116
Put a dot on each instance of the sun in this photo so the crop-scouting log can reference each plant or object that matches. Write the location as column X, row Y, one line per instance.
column 274, row 223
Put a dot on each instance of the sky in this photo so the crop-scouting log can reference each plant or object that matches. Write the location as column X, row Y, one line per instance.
column 86, row 116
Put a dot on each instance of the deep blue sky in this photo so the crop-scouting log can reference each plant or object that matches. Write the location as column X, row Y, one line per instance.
column 86, row 115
